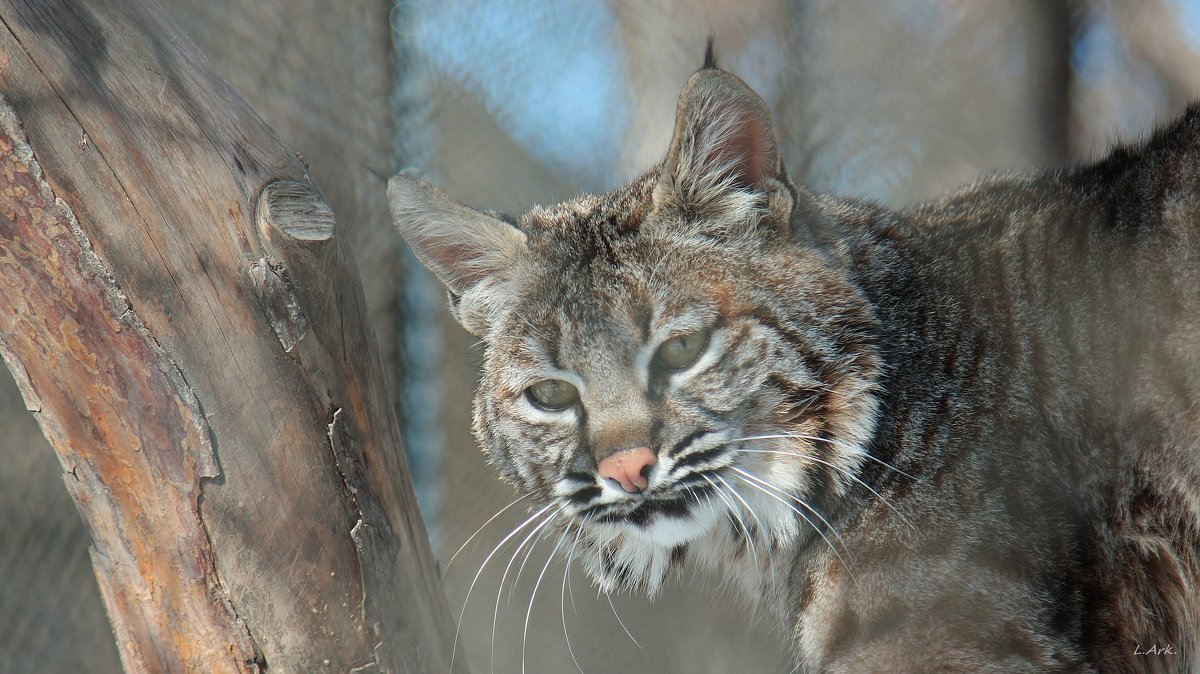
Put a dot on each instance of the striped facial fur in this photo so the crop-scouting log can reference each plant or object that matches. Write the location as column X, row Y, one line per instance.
column 668, row 373
column 776, row 364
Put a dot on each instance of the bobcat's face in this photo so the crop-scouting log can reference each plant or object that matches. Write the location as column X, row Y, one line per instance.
column 640, row 386
column 666, row 362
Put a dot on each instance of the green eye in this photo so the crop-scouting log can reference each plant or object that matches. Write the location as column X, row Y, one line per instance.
column 553, row 394
column 682, row 351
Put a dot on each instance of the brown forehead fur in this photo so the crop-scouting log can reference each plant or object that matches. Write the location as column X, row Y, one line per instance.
column 603, row 262
column 605, row 237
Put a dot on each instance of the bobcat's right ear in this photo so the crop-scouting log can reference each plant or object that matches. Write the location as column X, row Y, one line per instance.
column 724, row 151
column 463, row 247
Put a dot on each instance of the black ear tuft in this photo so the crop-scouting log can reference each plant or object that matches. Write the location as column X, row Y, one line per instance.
column 710, row 54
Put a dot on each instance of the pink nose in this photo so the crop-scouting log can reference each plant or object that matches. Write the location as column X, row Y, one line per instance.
column 629, row 467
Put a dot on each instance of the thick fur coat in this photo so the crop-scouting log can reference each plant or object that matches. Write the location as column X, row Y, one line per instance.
column 959, row 437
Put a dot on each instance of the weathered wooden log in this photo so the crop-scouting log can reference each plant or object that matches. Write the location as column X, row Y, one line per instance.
column 186, row 323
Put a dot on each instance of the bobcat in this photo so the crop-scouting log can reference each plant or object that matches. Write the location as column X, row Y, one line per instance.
column 963, row 436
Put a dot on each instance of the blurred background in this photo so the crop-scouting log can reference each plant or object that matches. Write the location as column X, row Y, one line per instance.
column 508, row 103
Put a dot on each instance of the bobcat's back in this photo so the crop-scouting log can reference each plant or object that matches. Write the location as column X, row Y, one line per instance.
column 1044, row 341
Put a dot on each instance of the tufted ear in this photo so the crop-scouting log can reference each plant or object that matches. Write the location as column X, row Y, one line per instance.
column 466, row 249
column 724, row 153
column 460, row 245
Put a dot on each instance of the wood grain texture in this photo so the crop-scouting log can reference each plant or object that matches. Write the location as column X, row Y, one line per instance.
column 321, row 75
column 249, row 504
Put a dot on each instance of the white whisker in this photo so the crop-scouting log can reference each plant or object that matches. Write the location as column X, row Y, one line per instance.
column 472, row 537
column 749, row 509
column 619, row 621
column 571, row 591
column 887, row 465
column 496, row 611
column 514, row 532
column 841, row 470
column 562, row 599
column 836, row 443
column 528, row 551
column 867, row 454
column 533, row 596
column 733, row 512
column 798, row 500
column 820, row 533
column 733, row 490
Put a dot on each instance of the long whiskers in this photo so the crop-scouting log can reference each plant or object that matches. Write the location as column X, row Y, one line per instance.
column 769, row 490
column 847, row 473
column 761, row 526
column 831, row 441
column 521, row 569
column 533, row 595
column 481, row 528
column 795, row 498
column 562, row 597
column 529, row 520
column 734, row 513
column 734, row 491
column 841, row 470
column 496, row 611
column 619, row 621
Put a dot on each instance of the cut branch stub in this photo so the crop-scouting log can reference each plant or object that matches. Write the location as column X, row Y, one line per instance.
column 296, row 228
column 296, row 211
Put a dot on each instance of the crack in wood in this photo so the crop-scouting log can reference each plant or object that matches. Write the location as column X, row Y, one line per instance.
column 359, row 532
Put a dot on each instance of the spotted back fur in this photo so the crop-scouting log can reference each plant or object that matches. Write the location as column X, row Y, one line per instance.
column 959, row 437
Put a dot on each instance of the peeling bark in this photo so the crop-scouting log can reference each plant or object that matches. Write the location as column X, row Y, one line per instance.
column 63, row 311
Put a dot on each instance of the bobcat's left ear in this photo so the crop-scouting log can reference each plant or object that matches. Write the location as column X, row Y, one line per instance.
column 723, row 162
column 470, row 251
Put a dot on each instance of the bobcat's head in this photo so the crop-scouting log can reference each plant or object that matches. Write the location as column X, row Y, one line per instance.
column 671, row 362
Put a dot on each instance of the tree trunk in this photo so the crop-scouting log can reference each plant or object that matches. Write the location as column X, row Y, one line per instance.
column 185, row 321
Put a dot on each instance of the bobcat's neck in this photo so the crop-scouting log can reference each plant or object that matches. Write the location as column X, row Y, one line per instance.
column 758, row 574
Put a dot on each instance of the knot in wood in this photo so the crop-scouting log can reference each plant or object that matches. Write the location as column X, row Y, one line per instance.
column 296, row 210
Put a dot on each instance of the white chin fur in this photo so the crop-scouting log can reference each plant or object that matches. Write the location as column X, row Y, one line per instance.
column 671, row 531
column 641, row 557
